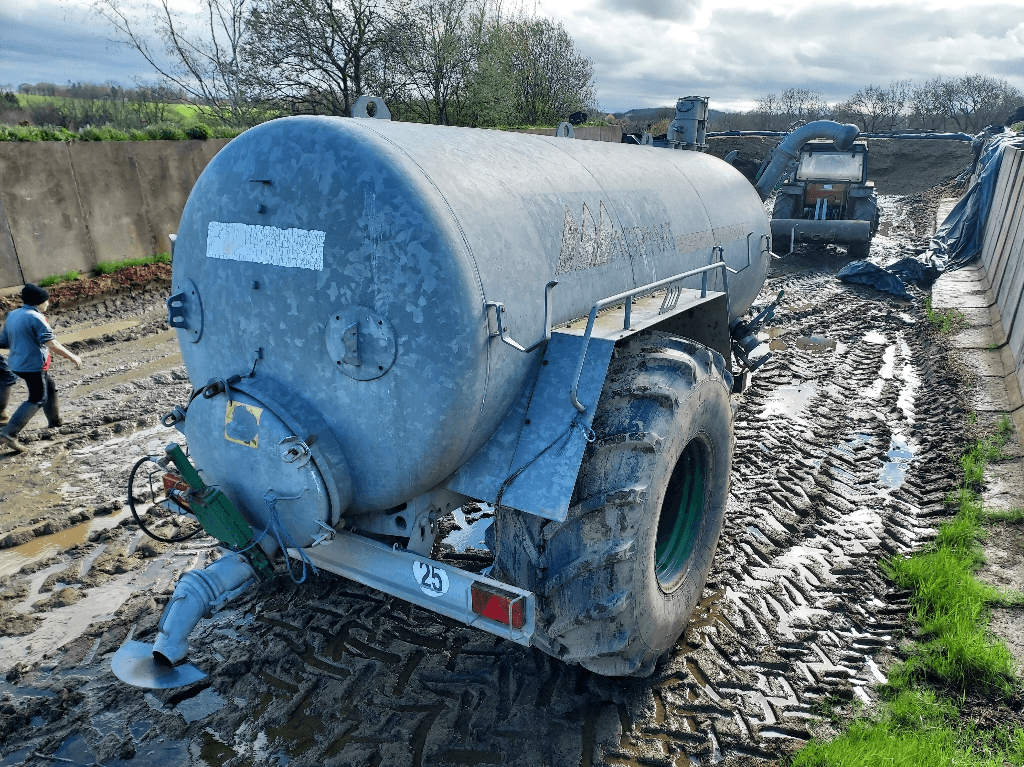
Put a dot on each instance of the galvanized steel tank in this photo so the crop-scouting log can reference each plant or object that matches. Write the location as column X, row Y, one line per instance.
column 302, row 227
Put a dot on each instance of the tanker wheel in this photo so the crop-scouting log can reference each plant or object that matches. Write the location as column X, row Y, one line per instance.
column 618, row 579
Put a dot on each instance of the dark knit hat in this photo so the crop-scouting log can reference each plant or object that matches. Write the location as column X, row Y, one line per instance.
column 33, row 295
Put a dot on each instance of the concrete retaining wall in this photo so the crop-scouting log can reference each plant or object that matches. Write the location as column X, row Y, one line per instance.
column 612, row 133
column 1003, row 260
column 66, row 207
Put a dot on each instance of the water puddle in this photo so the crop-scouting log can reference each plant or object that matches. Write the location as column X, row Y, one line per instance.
column 789, row 401
column 874, row 337
column 894, row 471
column 13, row 559
column 99, row 331
column 816, row 344
column 911, row 382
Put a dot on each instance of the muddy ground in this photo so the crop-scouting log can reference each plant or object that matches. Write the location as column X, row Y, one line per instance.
column 846, row 447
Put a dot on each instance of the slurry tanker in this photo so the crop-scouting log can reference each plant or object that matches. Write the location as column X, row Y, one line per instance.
column 385, row 321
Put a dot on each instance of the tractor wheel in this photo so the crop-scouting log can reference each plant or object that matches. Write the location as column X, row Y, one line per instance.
column 617, row 580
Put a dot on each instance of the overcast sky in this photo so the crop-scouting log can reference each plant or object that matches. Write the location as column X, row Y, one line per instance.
column 647, row 52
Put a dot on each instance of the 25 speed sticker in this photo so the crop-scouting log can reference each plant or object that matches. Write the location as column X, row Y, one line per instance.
column 432, row 579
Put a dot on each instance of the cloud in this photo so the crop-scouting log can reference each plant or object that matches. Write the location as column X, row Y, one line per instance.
column 670, row 10
column 48, row 43
column 734, row 54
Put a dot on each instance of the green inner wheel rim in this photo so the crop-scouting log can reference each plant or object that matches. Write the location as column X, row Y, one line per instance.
column 680, row 518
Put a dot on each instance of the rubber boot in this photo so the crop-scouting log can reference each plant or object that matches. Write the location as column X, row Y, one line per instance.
column 5, row 397
column 21, row 417
column 51, row 406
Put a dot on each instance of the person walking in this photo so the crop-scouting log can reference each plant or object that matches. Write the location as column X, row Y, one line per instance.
column 29, row 337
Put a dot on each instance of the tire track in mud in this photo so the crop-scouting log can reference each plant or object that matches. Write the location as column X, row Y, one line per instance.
column 842, row 457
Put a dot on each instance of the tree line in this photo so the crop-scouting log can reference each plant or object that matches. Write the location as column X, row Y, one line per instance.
column 476, row 63
column 967, row 103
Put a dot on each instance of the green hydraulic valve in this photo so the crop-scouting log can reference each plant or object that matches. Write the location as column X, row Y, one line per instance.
column 218, row 515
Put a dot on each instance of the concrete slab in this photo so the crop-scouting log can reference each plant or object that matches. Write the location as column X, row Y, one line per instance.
column 967, row 274
column 976, row 338
column 10, row 269
column 1004, row 486
column 986, row 362
column 46, row 221
column 108, row 188
column 166, row 173
column 963, row 295
column 976, row 318
column 989, row 395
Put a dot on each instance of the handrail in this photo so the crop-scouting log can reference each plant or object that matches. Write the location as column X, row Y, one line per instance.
column 499, row 311
column 628, row 298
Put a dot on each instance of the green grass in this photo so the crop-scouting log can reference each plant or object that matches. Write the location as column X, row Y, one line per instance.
column 1010, row 517
column 55, row 279
column 944, row 321
column 915, row 729
column 109, row 267
column 955, row 650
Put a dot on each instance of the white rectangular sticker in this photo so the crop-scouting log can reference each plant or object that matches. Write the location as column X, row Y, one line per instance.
column 299, row 248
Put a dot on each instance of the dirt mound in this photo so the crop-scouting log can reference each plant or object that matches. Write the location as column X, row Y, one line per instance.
column 897, row 166
column 93, row 289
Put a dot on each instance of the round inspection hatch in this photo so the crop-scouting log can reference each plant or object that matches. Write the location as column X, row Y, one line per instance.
column 361, row 342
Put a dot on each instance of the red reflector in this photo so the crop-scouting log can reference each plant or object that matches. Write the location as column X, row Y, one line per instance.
column 502, row 608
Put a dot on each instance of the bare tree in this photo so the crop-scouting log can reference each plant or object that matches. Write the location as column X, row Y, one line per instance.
column 202, row 53
column 437, row 52
column 967, row 103
column 315, row 56
column 876, row 108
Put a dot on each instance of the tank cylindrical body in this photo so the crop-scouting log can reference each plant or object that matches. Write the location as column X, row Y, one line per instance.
column 358, row 256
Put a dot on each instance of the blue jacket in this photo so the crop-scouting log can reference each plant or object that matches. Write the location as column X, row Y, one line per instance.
column 26, row 333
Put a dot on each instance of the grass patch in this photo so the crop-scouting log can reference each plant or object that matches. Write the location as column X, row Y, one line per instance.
column 913, row 724
column 944, row 321
column 1010, row 517
column 914, row 729
column 109, row 267
column 55, row 279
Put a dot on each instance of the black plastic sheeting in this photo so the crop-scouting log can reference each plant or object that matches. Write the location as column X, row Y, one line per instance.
column 867, row 273
column 959, row 238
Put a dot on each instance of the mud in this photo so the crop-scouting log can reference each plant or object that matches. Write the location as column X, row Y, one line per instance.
column 845, row 451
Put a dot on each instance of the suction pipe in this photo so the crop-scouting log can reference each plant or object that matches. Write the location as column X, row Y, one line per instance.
column 788, row 150
column 199, row 593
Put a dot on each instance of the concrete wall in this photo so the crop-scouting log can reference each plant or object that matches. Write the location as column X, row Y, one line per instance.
column 612, row 133
column 1002, row 257
column 65, row 206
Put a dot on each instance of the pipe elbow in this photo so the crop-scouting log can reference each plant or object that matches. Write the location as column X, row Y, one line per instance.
column 199, row 594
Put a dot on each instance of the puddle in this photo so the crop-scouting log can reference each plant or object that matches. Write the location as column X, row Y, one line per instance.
column 911, row 380
column 816, row 344
column 99, row 331
column 894, row 471
column 874, row 337
column 789, row 401
column 13, row 559
column 471, row 532
column 777, row 344
column 888, row 362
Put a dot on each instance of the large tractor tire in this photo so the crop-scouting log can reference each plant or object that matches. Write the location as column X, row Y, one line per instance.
column 617, row 580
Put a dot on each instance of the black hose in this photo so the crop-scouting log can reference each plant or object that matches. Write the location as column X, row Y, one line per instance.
column 142, row 526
